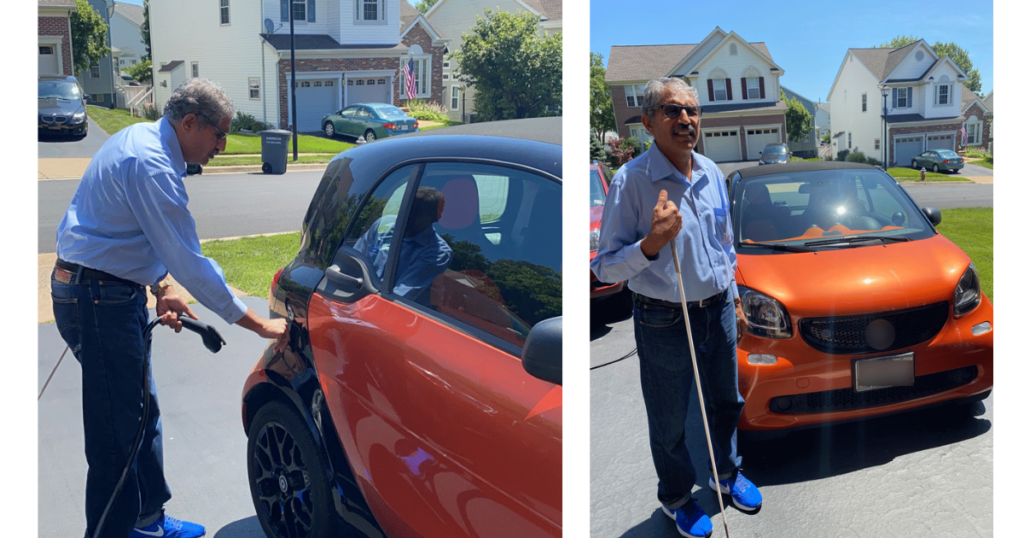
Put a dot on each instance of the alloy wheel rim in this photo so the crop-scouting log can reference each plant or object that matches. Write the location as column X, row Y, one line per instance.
column 282, row 482
column 329, row 129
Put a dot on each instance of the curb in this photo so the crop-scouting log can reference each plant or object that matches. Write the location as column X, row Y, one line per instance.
column 916, row 182
column 258, row 169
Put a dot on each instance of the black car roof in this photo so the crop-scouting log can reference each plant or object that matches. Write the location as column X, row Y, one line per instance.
column 803, row 166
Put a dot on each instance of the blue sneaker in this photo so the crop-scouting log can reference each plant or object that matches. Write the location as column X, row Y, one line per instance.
column 745, row 495
column 168, row 527
column 691, row 521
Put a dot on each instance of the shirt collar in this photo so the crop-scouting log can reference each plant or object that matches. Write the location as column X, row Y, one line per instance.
column 170, row 137
column 660, row 167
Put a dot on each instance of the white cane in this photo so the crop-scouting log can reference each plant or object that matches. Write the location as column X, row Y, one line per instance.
column 696, row 375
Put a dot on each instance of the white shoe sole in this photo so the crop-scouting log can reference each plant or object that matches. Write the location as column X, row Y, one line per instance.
column 680, row 531
column 713, row 485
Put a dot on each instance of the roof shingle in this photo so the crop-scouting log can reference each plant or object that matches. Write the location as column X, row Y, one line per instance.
column 131, row 12
column 646, row 62
column 882, row 62
column 57, row 3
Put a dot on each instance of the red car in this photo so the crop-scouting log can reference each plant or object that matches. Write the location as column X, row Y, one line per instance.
column 602, row 292
column 420, row 392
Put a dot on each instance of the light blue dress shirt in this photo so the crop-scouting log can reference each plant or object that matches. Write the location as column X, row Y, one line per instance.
column 423, row 257
column 129, row 217
column 707, row 256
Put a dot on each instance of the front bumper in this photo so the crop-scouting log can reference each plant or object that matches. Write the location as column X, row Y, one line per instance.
column 63, row 128
column 396, row 132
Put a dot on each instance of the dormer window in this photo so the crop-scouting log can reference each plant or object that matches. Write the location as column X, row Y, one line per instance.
column 942, row 94
column 370, row 10
column 903, row 98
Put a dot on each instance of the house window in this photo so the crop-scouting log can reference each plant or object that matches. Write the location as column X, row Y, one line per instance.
column 317, row 84
column 973, row 134
column 878, row 143
column 864, row 102
column 849, row 141
column 94, row 71
column 369, row 10
column 225, row 12
column 901, row 98
column 753, row 88
column 455, row 97
column 328, row 83
column 45, row 49
column 942, row 94
column 254, row 88
column 382, row 81
column 420, row 68
column 446, row 65
column 635, row 95
column 132, row 62
column 195, row 69
column 732, row 49
column 720, row 91
column 299, row 10
column 445, row 76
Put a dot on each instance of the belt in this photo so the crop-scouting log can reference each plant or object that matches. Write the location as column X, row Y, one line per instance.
column 93, row 274
column 703, row 303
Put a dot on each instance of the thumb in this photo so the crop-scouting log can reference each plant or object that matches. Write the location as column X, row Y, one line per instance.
column 662, row 198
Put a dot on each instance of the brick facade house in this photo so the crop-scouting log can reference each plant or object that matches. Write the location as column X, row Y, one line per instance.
column 54, row 34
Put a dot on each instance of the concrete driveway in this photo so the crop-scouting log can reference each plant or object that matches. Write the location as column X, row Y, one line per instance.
column 52, row 147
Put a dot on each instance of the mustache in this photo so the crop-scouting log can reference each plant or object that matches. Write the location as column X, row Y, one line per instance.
column 685, row 129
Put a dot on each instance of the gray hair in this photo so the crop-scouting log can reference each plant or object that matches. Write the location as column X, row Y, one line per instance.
column 199, row 96
column 656, row 88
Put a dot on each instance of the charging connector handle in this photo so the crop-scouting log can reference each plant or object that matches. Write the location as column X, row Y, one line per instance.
column 211, row 338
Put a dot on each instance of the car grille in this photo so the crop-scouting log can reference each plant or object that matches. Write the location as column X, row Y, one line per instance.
column 55, row 119
column 846, row 335
column 832, row 401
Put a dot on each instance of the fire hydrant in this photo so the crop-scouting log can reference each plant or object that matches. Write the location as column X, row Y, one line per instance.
column 922, row 174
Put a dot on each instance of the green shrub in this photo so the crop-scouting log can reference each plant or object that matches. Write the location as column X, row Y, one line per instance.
column 841, row 156
column 428, row 111
column 247, row 122
column 855, row 157
column 874, row 162
column 633, row 143
column 150, row 113
column 977, row 154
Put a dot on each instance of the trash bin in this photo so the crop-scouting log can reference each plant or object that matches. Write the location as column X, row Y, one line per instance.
column 274, row 144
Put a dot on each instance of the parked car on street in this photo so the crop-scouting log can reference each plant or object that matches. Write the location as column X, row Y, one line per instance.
column 62, row 106
column 419, row 394
column 775, row 154
column 857, row 305
column 938, row 160
column 603, row 295
column 369, row 120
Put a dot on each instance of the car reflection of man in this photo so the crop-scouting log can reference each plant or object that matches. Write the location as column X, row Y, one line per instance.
column 671, row 193
column 127, row 226
column 424, row 254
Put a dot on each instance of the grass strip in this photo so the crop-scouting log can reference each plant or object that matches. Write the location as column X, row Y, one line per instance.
column 249, row 263
column 971, row 230
column 256, row 160
column 909, row 174
column 112, row 120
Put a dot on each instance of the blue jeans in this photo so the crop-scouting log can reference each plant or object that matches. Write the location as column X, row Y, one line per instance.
column 102, row 322
column 666, row 375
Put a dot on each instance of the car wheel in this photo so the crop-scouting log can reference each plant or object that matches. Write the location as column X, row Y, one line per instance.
column 267, row 168
column 369, row 135
column 287, row 475
column 913, row 164
column 329, row 129
column 935, row 168
column 955, row 171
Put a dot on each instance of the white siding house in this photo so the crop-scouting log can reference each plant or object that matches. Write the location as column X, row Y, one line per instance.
column 126, row 34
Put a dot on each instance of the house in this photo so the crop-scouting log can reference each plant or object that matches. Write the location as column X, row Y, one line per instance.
column 808, row 145
column 126, row 34
column 346, row 52
column 976, row 114
column 455, row 17
column 738, row 83
column 990, row 103
column 55, row 37
column 822, row 120
column 923, row 107
column 98, row 82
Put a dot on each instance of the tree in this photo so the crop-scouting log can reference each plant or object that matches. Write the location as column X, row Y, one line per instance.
column 424, row 5
column 142, row 71
column 515, row 72
column 957, row 54
column 597, row 152
column 145, row 32
column 799, row 121
column 89, row 34
column 602, row 115
column 898, row 42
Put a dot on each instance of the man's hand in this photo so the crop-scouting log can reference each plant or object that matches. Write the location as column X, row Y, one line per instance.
column 665, row 225
column 741, row 323
column 169, row 306
column 275, row 329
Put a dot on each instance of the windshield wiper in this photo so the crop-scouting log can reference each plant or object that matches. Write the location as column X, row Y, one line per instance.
column 776, row 246
column 857, row 239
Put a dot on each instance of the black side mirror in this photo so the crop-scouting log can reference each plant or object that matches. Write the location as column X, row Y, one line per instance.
column 542, row 352
column 349, row 278
column 933, row 214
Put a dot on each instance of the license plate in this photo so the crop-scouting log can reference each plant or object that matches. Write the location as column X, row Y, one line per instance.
column 405, row 127
column 883, row 372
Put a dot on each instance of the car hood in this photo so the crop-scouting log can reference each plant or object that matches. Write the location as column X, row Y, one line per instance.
column 58, row 106
column 857, row 280
column 773, row 160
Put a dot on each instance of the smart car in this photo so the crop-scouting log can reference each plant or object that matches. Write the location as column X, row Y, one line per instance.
column 62, row 107
column 419, row 393
column 938, row 160
column 369, row 120
column 857, row 305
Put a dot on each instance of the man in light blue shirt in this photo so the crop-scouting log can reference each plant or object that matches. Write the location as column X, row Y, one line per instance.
column 672, row 194
column 127, row 227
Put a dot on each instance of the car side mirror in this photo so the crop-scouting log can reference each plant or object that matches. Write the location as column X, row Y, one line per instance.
column 349, row 278
column 85, row 98
column 542, row 352
column 933, row 214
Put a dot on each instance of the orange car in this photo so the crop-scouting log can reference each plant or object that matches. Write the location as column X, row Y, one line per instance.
column 857, row 306
column 603, row 294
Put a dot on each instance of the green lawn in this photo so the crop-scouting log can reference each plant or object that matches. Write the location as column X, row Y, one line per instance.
column 985, row 161
column 909, row 174
column 250, row 263
column 801, row 159
column 112, row 121
column 971, row 230
column 256, row 160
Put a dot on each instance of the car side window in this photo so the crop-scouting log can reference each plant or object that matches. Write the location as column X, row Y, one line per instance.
column 373, row 231
column 492, row 258
column 349, row 112
column 363, row 112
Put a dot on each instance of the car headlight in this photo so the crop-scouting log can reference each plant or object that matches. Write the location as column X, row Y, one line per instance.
column 595, row 238
column 968, row 292
column 78, row 116
column 765, row 316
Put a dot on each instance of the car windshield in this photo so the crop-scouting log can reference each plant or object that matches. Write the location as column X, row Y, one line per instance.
column 58, row 89
column 803, row 208
column 389, row 111
column 597, row 195
column 775, row 149
column 946, row 154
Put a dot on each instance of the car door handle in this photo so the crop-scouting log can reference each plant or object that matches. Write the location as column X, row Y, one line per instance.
column 334, row 273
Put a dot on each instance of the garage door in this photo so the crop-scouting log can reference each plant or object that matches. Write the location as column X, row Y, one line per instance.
column 757, row 139
column 48, row 60
column 940, row 142
column 367, row 90
column 722, row 146
column 907, row 149
column 315, row 99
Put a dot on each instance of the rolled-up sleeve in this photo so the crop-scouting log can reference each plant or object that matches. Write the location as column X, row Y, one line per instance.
column 160, row 204
column 619, row 257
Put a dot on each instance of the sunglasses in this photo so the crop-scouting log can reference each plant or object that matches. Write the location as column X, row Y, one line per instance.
column 672, row 111
column 222, row 134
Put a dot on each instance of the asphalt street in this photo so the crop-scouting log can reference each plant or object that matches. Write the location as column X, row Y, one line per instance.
column 63, row 147
column 223, row 205
column 204, row 444
column 919, row 474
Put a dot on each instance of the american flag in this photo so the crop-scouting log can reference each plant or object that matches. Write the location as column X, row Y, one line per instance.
column 410, row 81
column 963, row 131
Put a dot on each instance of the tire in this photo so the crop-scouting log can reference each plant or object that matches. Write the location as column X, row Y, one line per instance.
column 369, row 135
column 935, row 168
column 955, row 171
column 267, row 168
column 913, row 164
column 329, row 129
column 287, row 476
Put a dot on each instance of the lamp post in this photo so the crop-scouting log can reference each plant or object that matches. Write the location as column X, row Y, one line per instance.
column 885, row 122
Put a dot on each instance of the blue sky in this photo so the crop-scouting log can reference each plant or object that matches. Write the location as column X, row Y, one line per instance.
column 807, row 39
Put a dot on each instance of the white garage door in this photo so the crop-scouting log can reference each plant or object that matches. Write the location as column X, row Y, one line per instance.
column 367, row 90
column 757, row 139
column 907, row 149
column 940, row 142
column 315, row 99
column 722, row 146
column 48, row 60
